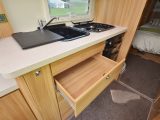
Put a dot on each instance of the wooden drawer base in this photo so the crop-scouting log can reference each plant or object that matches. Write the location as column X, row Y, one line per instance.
column 81, row 84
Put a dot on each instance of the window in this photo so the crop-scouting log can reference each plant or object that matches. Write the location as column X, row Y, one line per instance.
column 61, row 8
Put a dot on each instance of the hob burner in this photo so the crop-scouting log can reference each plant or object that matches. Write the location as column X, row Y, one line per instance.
column 93, row 26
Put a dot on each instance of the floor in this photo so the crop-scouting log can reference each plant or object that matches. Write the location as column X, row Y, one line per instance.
column 129, row 98
column 105, row 107
column 147, row 56
column 143, row 76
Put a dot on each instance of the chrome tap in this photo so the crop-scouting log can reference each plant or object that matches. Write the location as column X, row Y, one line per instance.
column 49, row 22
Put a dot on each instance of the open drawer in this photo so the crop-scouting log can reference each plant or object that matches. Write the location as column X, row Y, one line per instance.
column 81, row 84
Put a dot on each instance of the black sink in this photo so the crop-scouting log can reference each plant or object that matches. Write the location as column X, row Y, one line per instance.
column 47, row 35
column 69, row 33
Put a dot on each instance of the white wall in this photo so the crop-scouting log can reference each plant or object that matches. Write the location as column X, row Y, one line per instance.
column 24, row 14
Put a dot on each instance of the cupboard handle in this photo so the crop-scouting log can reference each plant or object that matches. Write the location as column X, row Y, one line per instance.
column 37, row 73
column 108, row 76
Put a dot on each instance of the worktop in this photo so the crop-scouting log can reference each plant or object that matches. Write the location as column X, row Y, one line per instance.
column 16, row 61
column 7, row 86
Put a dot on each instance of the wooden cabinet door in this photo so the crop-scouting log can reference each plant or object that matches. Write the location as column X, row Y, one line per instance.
column 39, row 91
column 14, row 107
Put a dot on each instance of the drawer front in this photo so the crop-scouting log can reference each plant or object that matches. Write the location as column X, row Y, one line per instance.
column 93, row 91
column 69, row 61
column 97, row 88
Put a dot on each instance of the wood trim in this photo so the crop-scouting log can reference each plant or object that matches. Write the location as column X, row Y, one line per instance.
column 39, row 90
column 126, row 13
column 14, row 107
column 5, row 28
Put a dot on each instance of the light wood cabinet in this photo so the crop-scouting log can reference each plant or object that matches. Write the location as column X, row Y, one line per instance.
column 14, row 107
column 79, row 78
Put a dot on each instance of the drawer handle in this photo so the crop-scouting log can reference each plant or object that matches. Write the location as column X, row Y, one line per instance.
column 37, row 73
column 108, row 76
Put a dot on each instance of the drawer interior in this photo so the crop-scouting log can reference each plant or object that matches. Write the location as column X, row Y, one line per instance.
column 75, row 81
column 74, row 59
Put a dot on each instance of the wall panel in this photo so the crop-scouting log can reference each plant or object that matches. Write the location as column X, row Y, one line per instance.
column 126, row 13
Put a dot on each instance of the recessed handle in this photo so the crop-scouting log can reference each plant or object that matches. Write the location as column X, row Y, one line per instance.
column 108, row 76
column 37, row 73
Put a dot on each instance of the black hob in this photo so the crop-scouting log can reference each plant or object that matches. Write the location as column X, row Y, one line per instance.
column 93, row 26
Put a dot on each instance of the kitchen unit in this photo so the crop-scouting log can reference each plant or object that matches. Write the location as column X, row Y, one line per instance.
column 61, row 79
column 49, row 72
